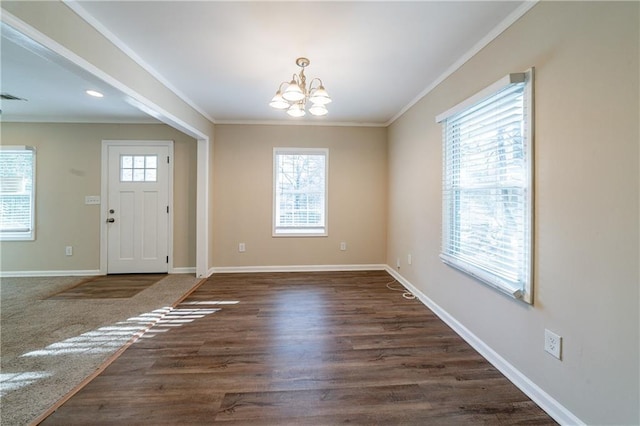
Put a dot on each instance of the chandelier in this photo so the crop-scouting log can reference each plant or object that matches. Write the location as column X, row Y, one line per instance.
column 295, row 96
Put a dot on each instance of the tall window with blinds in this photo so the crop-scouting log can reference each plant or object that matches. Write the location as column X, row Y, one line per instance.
column 17, row 193
column 487, row 186
column 300, row 192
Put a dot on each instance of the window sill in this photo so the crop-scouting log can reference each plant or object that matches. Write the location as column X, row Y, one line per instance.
column 299, row 233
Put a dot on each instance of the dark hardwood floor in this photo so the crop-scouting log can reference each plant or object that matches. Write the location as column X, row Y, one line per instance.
column 118, row 286
column 300, row 349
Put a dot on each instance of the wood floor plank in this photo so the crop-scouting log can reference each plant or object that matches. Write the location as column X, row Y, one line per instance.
column 109, row 287
column 300, row 349
column 257, row 406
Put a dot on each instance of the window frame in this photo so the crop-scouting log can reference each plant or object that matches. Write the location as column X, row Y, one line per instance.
column 29, row 235
column 280, row 231
column 522, row 288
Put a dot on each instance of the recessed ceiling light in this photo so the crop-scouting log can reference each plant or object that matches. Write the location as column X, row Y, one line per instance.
column 94, row 93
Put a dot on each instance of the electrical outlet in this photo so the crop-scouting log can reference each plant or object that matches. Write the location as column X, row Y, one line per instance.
column 343, row 246
column 241, row 248
column 553, row 343
column 68, row 250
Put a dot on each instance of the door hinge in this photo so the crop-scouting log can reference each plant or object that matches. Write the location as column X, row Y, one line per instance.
column 167, row 259
column 167, row 159
column 167, row 209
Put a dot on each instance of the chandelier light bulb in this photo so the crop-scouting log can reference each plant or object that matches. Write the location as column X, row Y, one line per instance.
column 320, row 96
column 278, row 101
column 296, row 110
column 318, row 110
column 293, row 93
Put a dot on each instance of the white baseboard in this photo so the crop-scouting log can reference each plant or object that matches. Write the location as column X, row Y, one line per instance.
column 183, row 270
column 74, row 273
column 296, row 268
column 556, row 410
column 78, row 273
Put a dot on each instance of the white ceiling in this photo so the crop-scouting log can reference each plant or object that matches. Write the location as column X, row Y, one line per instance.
column 53, row 89
column 228, row 58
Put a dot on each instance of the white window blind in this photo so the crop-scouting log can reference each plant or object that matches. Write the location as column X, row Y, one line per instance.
column 487, row 186
column 17, row 193
column 300, row 192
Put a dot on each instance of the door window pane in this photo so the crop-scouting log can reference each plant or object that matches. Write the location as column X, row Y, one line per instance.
column 138, row 168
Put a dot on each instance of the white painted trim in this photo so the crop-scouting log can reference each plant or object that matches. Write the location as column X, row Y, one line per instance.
column 137, row 100
column 505, row 81
column 91, row 20
column 301, row 123
column 144, row 104
column 202, row 208
column 549, row 404
column 73, row 273
column 98, row 26
column 296, row 268
column 104, row 195
column 78, row 273
column 183, row 270
column 323, row 231
column 481, row 44
column 104, row 192
column 78, row 120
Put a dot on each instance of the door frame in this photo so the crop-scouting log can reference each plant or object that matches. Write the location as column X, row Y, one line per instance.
column 104, row 195
column 199, row 127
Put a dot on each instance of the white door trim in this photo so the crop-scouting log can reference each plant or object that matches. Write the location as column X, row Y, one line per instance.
column 202, row 209
column 104, row 195
column 204, row 136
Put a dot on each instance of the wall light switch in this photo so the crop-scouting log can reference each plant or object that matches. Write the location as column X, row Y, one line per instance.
column 343, row 246
column 241, row 248
column 92, row 199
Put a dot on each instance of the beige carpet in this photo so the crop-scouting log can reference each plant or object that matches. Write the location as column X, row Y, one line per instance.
column 49, row 346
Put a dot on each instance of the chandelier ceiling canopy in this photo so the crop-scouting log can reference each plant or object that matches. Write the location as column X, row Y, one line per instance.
column 296, row 94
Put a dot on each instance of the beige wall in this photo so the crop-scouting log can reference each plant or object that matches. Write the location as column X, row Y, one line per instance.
column 68, row 168
column 586, row 205
column 68, row 34
column 243, row 192
column 587, row 189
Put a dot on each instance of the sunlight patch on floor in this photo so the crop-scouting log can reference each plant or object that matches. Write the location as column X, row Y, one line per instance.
column 13, row 381
column 107, row 339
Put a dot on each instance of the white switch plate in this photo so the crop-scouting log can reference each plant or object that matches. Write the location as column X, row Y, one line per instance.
column 553, row 343
column 92, row 199
column 343, row 246
column 409, row 259
column 68, row 250
column 241, row 248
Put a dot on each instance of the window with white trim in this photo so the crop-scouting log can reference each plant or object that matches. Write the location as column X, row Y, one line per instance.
column 300, row 191
column 138, row 168
column 17, row 193
column 487, row 186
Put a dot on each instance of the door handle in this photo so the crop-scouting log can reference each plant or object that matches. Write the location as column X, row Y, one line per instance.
column 111, row 220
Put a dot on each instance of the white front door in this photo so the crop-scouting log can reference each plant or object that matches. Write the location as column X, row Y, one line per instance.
column 138, row 208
